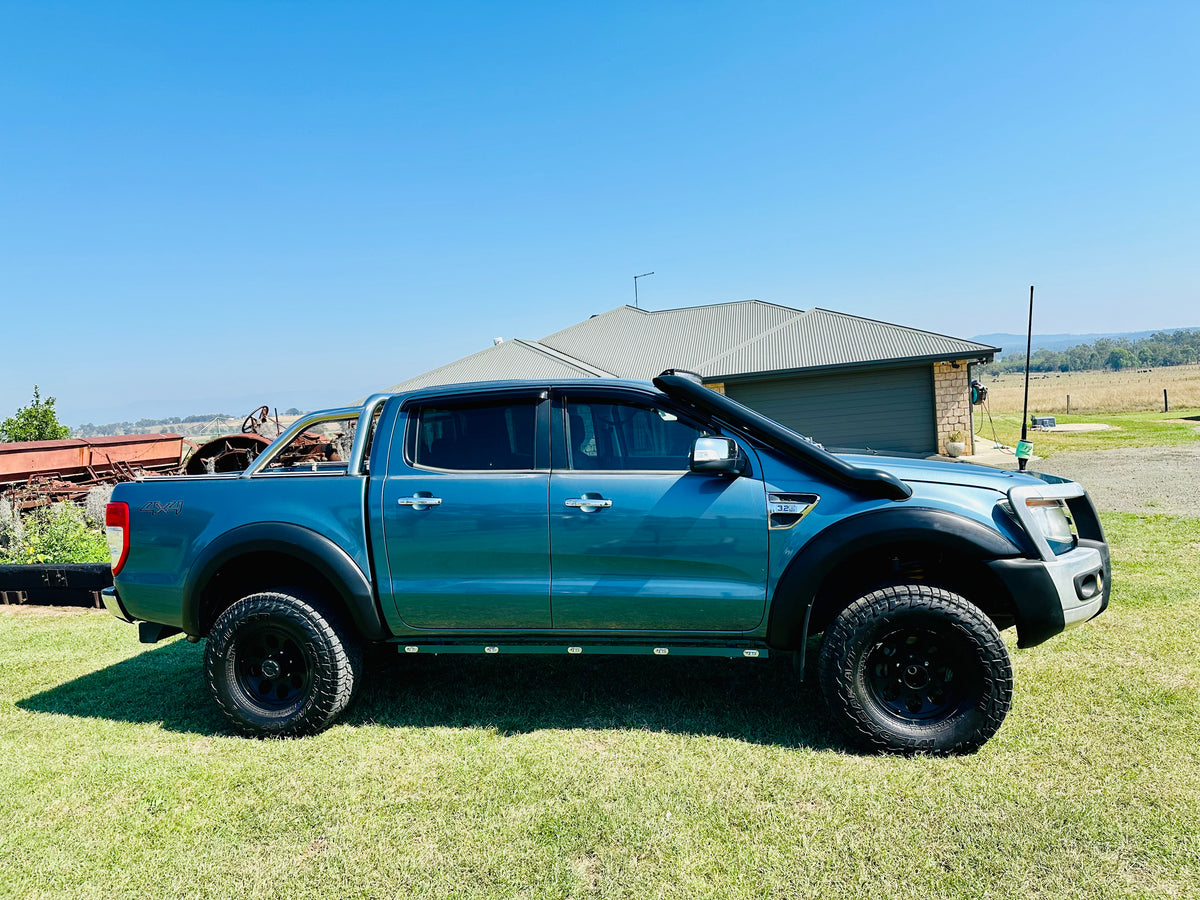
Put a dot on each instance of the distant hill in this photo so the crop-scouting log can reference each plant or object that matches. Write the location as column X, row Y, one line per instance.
column 1015, row 343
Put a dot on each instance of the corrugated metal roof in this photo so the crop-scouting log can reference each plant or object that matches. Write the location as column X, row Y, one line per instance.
column 511, row 359
column 634, row 342
column 820, row 338
column 746, row 337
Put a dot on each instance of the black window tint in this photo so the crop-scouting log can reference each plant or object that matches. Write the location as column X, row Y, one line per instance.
column 623, row 436
column 483, row 436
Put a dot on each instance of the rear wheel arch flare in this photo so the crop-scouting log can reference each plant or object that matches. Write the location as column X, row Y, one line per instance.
column 277, row 555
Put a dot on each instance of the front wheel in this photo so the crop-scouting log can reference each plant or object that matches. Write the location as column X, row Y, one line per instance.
column 278, row 667
column 916, row 669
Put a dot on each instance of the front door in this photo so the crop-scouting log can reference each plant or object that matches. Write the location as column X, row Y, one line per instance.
column 464, row 514
column 638, row 541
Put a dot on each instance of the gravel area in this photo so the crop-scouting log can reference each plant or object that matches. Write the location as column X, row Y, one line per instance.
column 1079, row 427
column 1142, row 480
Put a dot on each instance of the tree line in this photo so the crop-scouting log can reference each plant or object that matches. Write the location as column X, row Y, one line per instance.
column 152, row 426
column 1175, row 348
column 39, row 422
column 142, row 426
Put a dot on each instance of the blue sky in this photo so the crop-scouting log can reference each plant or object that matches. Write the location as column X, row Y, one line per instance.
column 214, row 205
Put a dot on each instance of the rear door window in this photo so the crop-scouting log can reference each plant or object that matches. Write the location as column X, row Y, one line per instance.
column 485, row 436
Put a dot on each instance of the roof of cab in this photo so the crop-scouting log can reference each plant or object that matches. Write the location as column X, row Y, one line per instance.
column 479, row 387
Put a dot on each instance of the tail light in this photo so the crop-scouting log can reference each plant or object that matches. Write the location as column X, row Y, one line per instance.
column 116, row 532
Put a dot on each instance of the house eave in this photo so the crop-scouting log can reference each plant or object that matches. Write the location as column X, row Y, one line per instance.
column 864, row 365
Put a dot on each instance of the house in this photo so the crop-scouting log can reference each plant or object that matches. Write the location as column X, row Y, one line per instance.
column 845, row 381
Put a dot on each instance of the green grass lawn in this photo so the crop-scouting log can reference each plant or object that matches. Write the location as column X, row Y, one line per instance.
column 575, row 777
column 1140, row 429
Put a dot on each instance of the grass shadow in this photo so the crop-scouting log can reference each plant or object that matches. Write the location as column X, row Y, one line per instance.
column 760, row 701
column 164, row 686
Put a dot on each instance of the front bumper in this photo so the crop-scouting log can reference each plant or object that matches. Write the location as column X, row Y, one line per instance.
column 1050, row 596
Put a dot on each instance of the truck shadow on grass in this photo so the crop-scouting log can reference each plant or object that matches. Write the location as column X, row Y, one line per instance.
column 759, row 701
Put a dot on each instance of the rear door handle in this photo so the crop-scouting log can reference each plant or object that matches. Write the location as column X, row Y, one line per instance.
column 587, row 503
column 420, row 502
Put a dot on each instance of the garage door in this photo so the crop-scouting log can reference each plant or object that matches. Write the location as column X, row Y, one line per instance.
column 884, row 409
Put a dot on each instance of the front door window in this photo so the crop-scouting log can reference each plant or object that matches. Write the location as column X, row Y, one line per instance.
column 626, row 437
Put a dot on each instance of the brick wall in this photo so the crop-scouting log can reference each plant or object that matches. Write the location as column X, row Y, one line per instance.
column 952, row 402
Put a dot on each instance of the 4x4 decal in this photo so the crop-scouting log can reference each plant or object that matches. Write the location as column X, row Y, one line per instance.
column 154, row 507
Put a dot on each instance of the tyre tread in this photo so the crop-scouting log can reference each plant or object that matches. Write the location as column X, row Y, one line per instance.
column 836, row 665
column 337, row 661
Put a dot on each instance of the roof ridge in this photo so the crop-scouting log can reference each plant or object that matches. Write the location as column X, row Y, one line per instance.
column 455, row 362
column 589, row 319
column 949, row 337
column 559, row 355
column 655, row 312
column 758, row 337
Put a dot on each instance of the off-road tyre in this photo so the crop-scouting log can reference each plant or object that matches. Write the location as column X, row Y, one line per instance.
column 916, row 669
column 279, row 667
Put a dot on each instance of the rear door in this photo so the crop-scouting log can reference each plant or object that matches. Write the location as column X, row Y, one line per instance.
column 638, row 541
column 464, row 513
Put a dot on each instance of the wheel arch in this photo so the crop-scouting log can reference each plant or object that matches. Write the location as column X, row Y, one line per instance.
column 881, row 547
column 273, row 555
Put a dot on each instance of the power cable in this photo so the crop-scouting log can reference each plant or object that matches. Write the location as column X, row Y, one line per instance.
column 987, row 406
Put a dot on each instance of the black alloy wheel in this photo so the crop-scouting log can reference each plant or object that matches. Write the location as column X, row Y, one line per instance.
column 272, row 666
column 922, row 674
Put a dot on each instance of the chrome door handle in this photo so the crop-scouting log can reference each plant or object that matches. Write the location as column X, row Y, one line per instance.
column 420, row 502
column 587, row 503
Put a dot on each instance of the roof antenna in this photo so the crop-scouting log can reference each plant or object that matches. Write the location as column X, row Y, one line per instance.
column 635, row 278
column 1024, row 448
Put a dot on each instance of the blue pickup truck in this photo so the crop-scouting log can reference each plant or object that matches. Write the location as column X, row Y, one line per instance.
column 605, row 517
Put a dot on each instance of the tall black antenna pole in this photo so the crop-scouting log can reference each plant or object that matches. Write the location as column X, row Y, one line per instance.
column 1025, row 411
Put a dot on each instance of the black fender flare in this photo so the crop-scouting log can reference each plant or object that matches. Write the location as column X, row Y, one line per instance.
column 306, row 545
column 792, row 601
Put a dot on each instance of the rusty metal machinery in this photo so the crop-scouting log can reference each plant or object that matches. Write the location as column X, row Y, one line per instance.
column 235, row 452
column 229, row 453
column 41, row 473
column 38, row 473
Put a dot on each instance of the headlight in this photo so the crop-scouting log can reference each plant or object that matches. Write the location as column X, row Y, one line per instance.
column 1051, row 518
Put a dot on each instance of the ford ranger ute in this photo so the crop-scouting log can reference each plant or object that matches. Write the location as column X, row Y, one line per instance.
column 605, row 517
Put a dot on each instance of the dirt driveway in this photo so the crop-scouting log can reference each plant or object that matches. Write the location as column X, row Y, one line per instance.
column 1141, row 480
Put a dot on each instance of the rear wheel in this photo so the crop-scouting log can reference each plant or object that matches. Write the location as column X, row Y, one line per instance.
column 916, row 669
column 278, row 666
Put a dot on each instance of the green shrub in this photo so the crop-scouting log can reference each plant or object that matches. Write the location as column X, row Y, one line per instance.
column 54, row 534
column 36, row 422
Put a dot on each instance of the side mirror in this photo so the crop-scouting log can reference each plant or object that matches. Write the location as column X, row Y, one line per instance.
column 718, row 456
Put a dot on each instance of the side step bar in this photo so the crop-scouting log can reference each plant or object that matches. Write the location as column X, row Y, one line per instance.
column 589, row 649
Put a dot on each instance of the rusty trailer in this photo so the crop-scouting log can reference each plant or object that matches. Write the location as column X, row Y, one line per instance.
column 88, row 458
column 37, row 473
